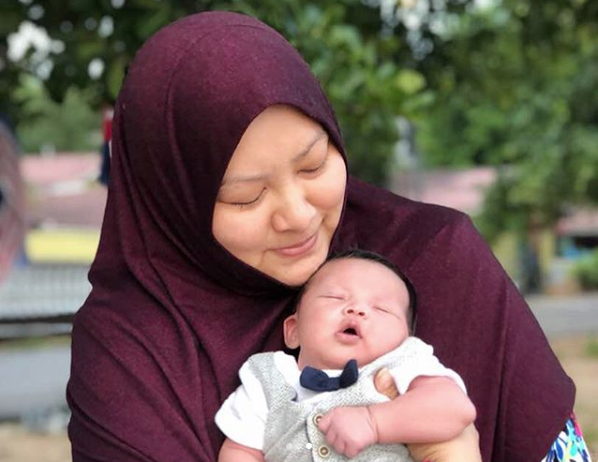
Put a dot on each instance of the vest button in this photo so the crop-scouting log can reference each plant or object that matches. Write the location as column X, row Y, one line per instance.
column 317, row 418
column 323, row 452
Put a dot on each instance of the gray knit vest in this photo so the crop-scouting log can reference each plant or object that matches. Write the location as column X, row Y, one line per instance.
column 291, row 433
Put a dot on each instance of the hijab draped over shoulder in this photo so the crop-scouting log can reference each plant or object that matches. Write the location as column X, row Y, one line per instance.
column 172, row 315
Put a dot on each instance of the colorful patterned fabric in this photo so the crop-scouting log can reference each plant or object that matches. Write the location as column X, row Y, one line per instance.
column 569, row 445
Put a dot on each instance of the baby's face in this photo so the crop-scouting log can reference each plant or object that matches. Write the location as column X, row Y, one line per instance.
column 352, row 309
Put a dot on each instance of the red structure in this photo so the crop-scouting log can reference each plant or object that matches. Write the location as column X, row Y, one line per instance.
column 12, row 214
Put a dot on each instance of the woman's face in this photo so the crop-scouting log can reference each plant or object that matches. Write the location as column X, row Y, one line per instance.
column 281, row 196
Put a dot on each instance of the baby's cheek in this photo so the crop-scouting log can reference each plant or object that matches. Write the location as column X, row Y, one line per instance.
column 390, row 336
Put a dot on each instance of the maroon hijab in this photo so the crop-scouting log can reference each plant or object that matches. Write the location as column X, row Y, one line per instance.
column 172, row 315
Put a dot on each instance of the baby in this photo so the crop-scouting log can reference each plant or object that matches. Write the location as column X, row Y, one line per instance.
column 356, row 312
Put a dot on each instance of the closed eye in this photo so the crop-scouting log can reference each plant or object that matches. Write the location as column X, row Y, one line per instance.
column 316, row 168
column 247, row 203
column 333, row 297
column 379, row 308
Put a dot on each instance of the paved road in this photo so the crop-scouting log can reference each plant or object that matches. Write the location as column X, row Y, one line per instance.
column 34, row 380
column 564, row 316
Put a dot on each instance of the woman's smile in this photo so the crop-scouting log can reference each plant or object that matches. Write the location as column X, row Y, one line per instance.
column 299, row 249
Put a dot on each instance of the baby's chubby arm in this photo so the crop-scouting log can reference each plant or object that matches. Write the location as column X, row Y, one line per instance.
column 433, row 409
column 235, row 452
column 463, row 448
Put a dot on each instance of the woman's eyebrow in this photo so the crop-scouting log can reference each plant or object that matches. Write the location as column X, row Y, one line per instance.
column 261, row 177
column 305, row 151
column 243, row 179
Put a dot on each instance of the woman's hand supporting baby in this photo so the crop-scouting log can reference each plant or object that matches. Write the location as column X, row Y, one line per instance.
column 235, row 452
column 463, row 448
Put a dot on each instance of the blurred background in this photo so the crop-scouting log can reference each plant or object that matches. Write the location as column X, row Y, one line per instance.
column 486, row 106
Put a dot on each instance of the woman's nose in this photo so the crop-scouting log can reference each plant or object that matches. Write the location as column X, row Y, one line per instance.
column 294, row 213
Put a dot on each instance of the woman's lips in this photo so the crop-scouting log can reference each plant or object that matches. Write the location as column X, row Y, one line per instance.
column 300, row 248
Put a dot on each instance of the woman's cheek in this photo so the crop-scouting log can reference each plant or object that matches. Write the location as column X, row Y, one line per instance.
column 331, row 187
column 250, row 230
column 239, row 231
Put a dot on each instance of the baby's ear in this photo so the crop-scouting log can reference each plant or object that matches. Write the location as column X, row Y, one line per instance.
column 291, row 332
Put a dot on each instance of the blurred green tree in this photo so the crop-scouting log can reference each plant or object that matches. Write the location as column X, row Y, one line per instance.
column 514, row 86
column 48, row 126
column 366, row 69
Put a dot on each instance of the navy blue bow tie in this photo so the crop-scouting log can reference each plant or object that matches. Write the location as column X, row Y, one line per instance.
column 317, row 380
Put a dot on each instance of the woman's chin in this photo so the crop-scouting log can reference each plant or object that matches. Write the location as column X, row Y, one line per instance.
column 300, row 274
column 294, row 279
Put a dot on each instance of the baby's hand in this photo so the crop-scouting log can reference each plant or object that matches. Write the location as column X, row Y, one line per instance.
column 349, row 430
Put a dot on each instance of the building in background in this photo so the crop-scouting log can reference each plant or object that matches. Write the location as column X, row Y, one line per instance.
column 64, row 211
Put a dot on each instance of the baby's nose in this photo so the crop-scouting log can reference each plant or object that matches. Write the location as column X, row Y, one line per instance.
column 357, row 311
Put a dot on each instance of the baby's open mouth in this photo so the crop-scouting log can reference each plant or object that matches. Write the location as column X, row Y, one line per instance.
column 350, row 333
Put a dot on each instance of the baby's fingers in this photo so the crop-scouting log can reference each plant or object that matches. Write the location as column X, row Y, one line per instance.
column 324, row 423
column 351, row 451
column 338, row 445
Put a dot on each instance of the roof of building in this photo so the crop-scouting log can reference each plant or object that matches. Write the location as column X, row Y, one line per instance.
column 63, row 191
column 459, row 189
column 464, row 190
column 582, row 222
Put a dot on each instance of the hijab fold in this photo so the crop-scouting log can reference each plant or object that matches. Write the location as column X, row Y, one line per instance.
column 172, row 315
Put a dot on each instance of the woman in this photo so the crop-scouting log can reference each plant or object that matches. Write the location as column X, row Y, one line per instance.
column 202, row 251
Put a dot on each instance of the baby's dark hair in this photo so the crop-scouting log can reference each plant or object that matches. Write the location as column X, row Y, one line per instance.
column 377, row 258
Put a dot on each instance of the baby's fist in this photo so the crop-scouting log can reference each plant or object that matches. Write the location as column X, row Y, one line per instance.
column 349, row 430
